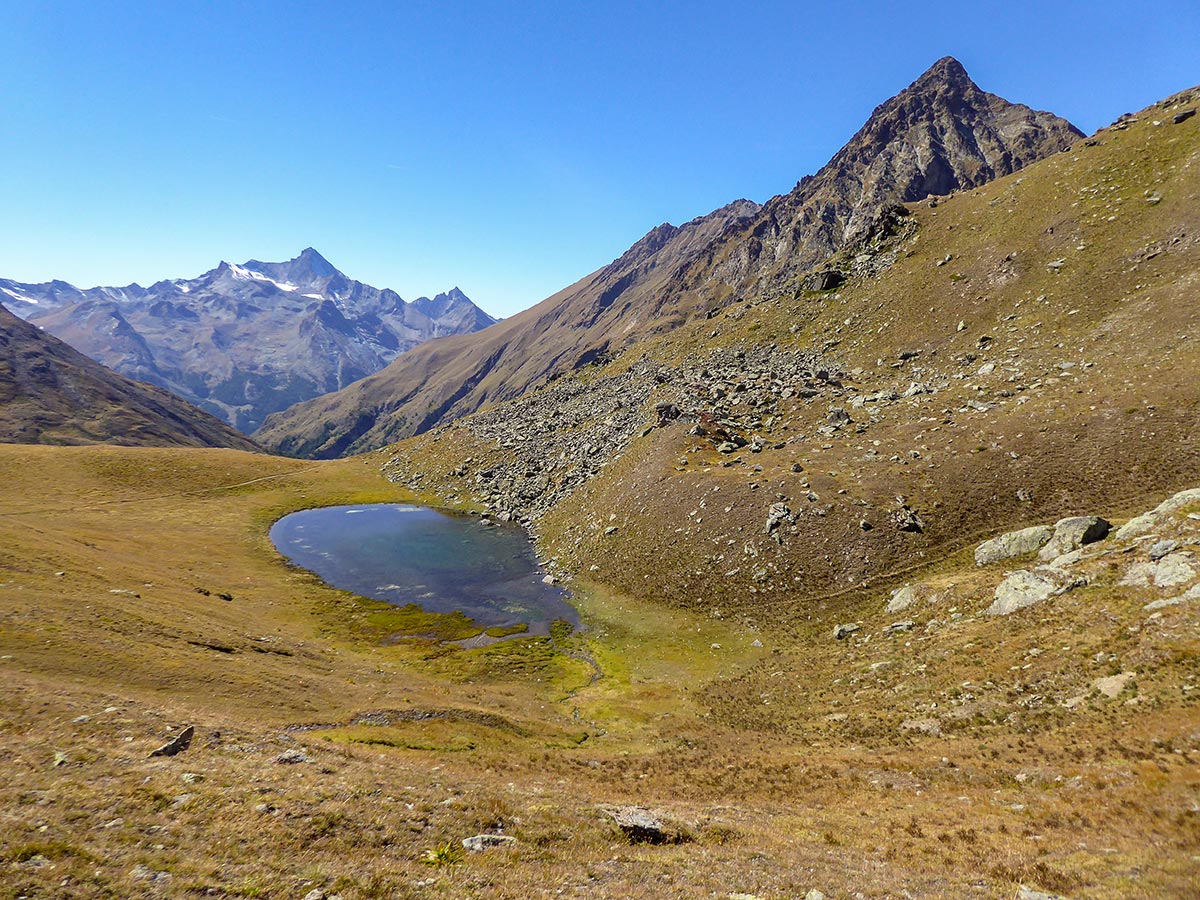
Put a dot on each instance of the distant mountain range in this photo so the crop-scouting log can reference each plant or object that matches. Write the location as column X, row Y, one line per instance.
column 940, row 134
column 51, row 393
column 243, row 341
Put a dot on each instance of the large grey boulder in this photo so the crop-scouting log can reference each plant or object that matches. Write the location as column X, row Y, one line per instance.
column 1171, row 570
column 1147, row 522
column 902, row 598
column 1024, row 588
column 642, row 826
column 1073, row 533
column 1014, row 543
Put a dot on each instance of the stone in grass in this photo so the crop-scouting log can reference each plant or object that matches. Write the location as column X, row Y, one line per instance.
column 1014, row 543
column 1025, row 893
column 641, row 826
column 1023, row 588
column 1073, row 533
column 1113, row 684
column 177, row 744
column 145, row 873
column 292, row 757
column 480, row 842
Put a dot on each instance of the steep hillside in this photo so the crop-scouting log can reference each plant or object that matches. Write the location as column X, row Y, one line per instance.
column 1005, row 355
column 940, row 134
column 244, row 341
column 813, row 660
column 52, row 394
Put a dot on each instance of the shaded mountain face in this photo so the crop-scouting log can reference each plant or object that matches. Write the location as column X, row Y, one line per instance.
column 940, row 134
column 244, row 341
column 52, row 394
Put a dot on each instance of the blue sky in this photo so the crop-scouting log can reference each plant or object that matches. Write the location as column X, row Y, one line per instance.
column 505, row 148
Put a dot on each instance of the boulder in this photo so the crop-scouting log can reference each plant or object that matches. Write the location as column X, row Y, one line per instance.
column 1137, row 526
column 1113, row 684
column 1147, row 522
column 1024, row 588
column 906, row 519
column 641, row 826
column 177, row 744
column 1073, row 533
column 839, row 417
column 778, row 514
column 1162, row 548
column 1178, row 502
column 822, row 281
column 902, row 599
column 1012, row 543
column 480, row 842
column 1171, row 570
column 841, row 631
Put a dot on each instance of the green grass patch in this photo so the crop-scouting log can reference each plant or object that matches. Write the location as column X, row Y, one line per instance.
column 503, row 631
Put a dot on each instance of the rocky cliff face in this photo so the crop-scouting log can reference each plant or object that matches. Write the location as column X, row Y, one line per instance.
column 52, row 394
column 940, row 134
column 245, row 341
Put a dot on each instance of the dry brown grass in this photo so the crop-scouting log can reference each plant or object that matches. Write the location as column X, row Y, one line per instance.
column 939, row 762
column 785, row 767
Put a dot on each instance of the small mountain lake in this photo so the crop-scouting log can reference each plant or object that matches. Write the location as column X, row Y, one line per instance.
column 441, row 561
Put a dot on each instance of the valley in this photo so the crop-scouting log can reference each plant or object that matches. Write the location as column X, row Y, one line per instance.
column 766, row 475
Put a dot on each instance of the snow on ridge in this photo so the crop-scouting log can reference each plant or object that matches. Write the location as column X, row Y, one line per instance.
column 313, row 296
column 20, row 297
column 243, row 274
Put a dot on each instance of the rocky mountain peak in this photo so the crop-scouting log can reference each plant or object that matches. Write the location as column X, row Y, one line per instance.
column 255, row 337
column 947, row 72
column 313, row 263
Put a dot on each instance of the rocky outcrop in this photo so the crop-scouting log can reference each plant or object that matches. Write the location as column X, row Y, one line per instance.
column 1072, row 533
column 1014, row 543
column 1023, row 588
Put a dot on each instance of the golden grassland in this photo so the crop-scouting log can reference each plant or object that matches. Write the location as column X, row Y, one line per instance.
column 782, row 768
column 961, row 757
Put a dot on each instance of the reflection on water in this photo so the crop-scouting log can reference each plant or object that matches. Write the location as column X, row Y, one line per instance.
column 413, row 554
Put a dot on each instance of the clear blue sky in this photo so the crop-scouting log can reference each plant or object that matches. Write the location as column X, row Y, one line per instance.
column 506, row 148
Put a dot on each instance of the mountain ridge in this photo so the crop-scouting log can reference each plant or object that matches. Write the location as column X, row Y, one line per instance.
column 244, row 340
column 675, row 273
column 51, row 393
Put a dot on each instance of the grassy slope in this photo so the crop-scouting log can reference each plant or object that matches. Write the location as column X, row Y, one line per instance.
column 52, row 394
column 1098, row 361
column 798, row 764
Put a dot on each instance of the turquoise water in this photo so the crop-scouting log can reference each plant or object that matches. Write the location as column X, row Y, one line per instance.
column 439, row 560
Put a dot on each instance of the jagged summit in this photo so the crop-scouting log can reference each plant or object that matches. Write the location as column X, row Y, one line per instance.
column 946, row 71
column 940, row 134
column 242, row 341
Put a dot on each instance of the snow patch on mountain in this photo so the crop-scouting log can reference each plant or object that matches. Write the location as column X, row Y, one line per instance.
column 20, row 297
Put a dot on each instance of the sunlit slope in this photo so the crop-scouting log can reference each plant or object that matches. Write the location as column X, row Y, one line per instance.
column 1014, row 353
column 939, row 134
